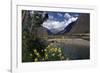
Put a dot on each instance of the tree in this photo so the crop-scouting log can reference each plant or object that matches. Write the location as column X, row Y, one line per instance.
column 30, row 41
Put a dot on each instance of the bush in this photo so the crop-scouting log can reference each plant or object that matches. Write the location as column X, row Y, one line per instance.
column 53, row 53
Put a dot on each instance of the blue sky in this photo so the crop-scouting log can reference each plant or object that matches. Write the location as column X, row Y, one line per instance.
column 57, row 16
column 60, row 16
column 58, row 21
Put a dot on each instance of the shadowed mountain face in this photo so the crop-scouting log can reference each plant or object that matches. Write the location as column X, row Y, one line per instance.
column 82, row 25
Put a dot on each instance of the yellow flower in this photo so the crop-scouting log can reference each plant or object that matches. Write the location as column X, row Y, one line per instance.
column 36, row 59
column 48, row 46
column 35, row 51
column 30, row 54
column 59, row 50
column 45, row 50
column 42, row 50
column 55, row 49
column 60, row 54
column 53, row 54
column 37, row 54
column 43, row 59
column 51, row 49
column 46, row 55
column 62, row 57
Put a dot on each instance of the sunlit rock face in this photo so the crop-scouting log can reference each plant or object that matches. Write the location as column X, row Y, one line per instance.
column 57, row 22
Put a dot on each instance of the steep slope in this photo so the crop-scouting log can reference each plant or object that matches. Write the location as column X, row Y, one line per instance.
column 82, row 25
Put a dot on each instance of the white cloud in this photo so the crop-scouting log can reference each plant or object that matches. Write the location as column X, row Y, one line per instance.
column 72, row 19
column 59, row 14
column 54, row 26
column 67, row 15
column 51, row 17
column 57, row 26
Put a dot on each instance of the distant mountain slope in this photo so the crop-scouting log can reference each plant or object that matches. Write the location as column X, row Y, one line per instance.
column 82, row 25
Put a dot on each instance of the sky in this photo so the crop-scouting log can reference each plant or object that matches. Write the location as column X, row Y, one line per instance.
column 58, row 21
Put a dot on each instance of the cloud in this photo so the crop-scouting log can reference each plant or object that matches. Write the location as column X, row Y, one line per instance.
column 58, row 26
column 54, row 26
column 60, row 14
column 51, row 17
column 67, row 15
column 72, row 19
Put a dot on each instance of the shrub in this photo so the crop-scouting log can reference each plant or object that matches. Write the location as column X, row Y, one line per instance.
column 53, row 53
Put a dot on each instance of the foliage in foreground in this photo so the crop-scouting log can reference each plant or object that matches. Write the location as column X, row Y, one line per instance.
column 53, row 53
column 50, row 53
column 33, row 48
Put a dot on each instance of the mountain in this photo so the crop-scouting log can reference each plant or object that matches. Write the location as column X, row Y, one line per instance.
column 82, row 25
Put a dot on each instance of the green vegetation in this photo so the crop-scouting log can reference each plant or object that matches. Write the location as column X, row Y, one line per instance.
column 29, row 40
column 34, row 48
column 53, row 53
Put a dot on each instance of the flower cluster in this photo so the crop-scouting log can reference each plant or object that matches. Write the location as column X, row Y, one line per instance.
column 53, row 53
